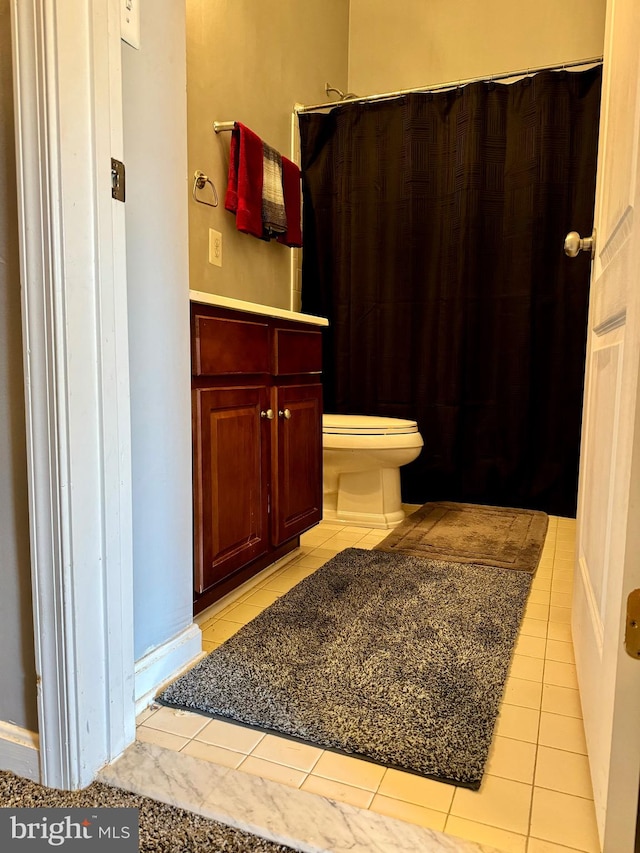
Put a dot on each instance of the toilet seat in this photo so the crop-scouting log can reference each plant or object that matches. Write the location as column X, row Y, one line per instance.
column 366, row 425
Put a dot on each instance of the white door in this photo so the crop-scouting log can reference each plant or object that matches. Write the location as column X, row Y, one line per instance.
column 608, row 544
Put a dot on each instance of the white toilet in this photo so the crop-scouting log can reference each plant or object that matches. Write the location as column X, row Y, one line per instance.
column 362, row 455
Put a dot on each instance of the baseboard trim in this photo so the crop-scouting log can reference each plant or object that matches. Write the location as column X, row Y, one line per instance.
column 19, row 751
column 164, row 663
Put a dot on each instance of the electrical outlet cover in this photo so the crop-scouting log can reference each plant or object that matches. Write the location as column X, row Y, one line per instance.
column 215, row 247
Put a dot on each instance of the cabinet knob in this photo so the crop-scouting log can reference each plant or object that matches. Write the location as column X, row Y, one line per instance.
column 284, row 414
column 268, row 414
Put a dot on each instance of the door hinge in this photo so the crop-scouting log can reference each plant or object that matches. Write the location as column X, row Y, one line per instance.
column 117, row 180
column 632, row 630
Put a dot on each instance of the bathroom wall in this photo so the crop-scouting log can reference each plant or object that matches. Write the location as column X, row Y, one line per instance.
column 440, row 41
column 251, row 62
column 17, row 666
column 155, row 153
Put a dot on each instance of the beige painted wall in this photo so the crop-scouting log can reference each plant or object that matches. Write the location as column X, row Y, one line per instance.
column 17, row 664
column 415, row 43
column 251, row 62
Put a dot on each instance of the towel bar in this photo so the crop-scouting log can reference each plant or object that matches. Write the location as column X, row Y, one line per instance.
column 222, row 126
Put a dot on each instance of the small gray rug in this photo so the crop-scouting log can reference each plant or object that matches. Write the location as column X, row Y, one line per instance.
column 392, row 658
column 469, row 533
column 163, row 828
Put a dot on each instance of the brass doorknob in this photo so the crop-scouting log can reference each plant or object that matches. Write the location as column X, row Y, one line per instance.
column 574, row 244
column 268, row 414
column 284, row 414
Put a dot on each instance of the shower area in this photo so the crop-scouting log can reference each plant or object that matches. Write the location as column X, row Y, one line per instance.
column 434, row 224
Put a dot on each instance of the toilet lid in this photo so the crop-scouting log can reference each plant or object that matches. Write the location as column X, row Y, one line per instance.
column 366, row 425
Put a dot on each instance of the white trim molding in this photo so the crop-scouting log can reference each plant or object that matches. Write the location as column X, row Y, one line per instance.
column 68, row 104
column 19, row 751
column 165, row 663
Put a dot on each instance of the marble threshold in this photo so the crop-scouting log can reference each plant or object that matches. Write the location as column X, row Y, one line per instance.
column 304, row 821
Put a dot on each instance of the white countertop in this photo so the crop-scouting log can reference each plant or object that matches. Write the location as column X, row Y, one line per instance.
column 255, row 308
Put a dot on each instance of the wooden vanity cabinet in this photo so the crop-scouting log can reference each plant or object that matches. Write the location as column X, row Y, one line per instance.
column 257, row 443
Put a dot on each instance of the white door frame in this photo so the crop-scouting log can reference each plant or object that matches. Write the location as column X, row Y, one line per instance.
column 68, row 105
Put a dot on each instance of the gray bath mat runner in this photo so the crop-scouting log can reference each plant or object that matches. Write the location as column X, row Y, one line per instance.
column 390, row 657
column 466, row 533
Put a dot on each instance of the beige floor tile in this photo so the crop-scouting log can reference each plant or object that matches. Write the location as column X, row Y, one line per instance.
column 499, row 802
column 414, row 789
column 545, row 569
column 533, row 647
column 522, row 692
column 242, row 613
column 316, row 537
column 214, row 754
column 561, row 584
column 518, row 723
column 512, row 759
column 536, row 845
column 564, row 562
column 376, row 537
column 289, row 752
column 345, row 539
column 160, row 738
column 560, row 674
column 559, row 651
column 531, row 669
column 561, row 700
column 500, row 839
column 220, row 630
column 541, row 584
column 230, row 736
column 208, row 646
column 560, row 575
column 325, row 553
column 536, row 611
column 337, row 791
column 560, row 631
column 564, row 819
column 562, row 732
column 539, row 596
column 176, row 722
column 408, row 812
column 533, row 627
column 283, row 583
column 310, row 563
column 560, row 614
column 261, row 597
column 144, row 715
column 561, row 599
column 563, row 771
column 275, row 772
column 351, row 771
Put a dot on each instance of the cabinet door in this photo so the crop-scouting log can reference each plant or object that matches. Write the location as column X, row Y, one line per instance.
column 231, row 469
column 296, row 460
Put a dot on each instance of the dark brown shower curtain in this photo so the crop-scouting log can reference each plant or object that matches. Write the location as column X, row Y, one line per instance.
column 433, row 234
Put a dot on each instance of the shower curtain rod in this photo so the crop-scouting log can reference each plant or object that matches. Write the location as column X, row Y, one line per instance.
column 453, row 84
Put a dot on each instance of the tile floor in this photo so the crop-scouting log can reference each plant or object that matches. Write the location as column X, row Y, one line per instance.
column 536, row 794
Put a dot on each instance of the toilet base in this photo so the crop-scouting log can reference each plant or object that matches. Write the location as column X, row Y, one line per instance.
column 366, row 499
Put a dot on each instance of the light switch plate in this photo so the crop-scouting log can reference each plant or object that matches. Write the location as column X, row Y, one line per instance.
column 215, row 247
column 130, row 22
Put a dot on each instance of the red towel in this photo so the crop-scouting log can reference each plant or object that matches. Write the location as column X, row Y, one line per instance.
column 244, row 190
column 291, row 188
